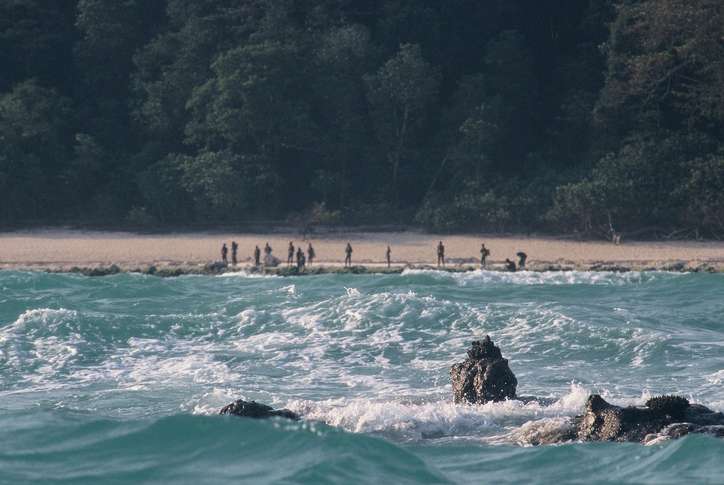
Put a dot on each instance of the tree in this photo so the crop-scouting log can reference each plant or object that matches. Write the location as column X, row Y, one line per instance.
column 34, row 127
column 400, row 94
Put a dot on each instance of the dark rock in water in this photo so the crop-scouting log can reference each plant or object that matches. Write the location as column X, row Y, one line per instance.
column 253, row 409
column 216, row 267
column 667, row 416
column 484, row 376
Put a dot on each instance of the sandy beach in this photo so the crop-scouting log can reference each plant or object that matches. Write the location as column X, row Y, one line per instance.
column 57, row 250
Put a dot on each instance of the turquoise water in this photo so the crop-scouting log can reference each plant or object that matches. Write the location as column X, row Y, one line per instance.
column 117, row 379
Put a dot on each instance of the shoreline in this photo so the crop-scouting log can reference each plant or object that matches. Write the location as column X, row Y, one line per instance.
column 217, row 268
column 173, row 254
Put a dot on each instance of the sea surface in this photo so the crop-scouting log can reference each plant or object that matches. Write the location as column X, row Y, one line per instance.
column 119, row 379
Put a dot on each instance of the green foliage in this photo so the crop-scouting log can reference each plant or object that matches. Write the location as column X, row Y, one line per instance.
column 704, row 193
column 400, row 94
column 460, row 115
column 33, row 130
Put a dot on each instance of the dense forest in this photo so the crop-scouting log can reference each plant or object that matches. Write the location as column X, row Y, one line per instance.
column 475, row 115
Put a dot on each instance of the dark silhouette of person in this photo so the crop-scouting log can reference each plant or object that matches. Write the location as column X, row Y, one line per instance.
column 388, row 255
column 440, row 254
column 224, row 253
column 290, row 254
column 484, row 253
column 348, row 255
column 311, row 253
column 509, row 265
column 234, row 251
column 521, row 259
column 267, row 249
column 257, row 256
column 300, row 258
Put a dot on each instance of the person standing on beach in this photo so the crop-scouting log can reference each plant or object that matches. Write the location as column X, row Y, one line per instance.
column 509, row 265
column 484, row 253
column 290, row 254
column 267, row 249
column 388, row 255
column 234, row 251
column 224, row 253
column 311, row 253
column 348, row 257
column 257, row 256
column 300, row 258
column 440, row 254
column 521, row 259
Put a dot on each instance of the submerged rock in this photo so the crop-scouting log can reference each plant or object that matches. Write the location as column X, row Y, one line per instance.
column 484, row 376
column 662, row 417
column 253, row 409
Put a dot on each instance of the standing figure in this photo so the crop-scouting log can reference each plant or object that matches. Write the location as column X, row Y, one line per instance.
column 521, row 259
column 509, row 265
column 267, row 249
column 348, row 257
column 311, row 253
column 257, row 256
column 234, row 251
column 484, row 253
column 300, row 258
column 290, row 254
column 440, row 254
column 224, row 253
column 388, row 255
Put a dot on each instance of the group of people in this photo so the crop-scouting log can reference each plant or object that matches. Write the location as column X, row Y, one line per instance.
column 297, row 256
column 484, row 253
column 234, row 253
column 301, row 258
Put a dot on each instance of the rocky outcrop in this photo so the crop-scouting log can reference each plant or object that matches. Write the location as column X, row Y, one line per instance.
column 253, row 409
column 665, row 416
column 484, row 376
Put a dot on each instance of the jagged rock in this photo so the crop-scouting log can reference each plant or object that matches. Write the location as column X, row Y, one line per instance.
column 665, row 416
column 253, row 409
column 484, row 376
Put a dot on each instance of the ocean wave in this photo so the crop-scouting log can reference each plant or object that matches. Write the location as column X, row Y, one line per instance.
column 200, row 449
column 245, row 274
column 404, row 420
column 556, row 278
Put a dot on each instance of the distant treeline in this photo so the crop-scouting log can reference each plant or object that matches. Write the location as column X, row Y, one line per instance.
column 478, row 115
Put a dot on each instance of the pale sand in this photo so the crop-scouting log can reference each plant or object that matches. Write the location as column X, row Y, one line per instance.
column 58, row 249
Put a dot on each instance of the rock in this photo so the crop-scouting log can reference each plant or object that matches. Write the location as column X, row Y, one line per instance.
column 484, row 376
column 216, row 267
column 271, row 261
column 662, row 417
column 253, row 409
column 100, row 270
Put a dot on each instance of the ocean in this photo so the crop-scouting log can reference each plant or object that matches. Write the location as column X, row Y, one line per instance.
column 119, row 379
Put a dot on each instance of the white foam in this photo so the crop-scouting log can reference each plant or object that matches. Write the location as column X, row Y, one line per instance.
column 245, row 274
column 29, row 345
column 478, row 277
column 436, row 419
column 716, row 378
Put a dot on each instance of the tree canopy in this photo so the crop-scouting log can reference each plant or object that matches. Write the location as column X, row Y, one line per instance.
column 467, row 115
